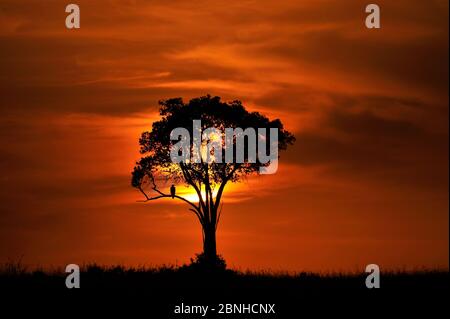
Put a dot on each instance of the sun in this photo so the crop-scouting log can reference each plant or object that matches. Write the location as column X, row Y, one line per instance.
column 190, row 194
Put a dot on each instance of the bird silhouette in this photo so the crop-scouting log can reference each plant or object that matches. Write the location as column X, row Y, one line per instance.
column 172, row 190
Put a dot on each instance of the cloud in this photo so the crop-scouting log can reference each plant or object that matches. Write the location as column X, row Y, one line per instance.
column 365, row 147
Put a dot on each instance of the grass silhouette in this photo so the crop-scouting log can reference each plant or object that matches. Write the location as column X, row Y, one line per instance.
column 157, row 290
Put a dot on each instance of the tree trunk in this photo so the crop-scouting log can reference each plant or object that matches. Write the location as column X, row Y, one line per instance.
column 209, row 243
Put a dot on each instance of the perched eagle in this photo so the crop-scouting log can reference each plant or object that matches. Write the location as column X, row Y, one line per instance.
column 172, row 190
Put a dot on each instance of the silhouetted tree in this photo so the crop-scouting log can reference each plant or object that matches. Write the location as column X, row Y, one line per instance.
column 208, row 180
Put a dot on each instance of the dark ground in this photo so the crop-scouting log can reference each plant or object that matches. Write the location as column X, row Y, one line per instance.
column 154, row 293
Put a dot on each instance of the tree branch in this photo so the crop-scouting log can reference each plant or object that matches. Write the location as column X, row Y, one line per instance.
column 218, row 216
column 189, row 180
column 222, row 186
column 163, row 195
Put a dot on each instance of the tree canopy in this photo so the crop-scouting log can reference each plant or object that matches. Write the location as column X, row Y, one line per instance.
column 208, row 179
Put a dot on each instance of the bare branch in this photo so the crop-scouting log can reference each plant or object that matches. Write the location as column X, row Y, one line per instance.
column 222, row 186
column 163, row 195
column 198, row 216
column 189, row 180
column 218, row 216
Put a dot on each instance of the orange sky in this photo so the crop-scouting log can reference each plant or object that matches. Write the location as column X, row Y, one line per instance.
column 366, row 182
